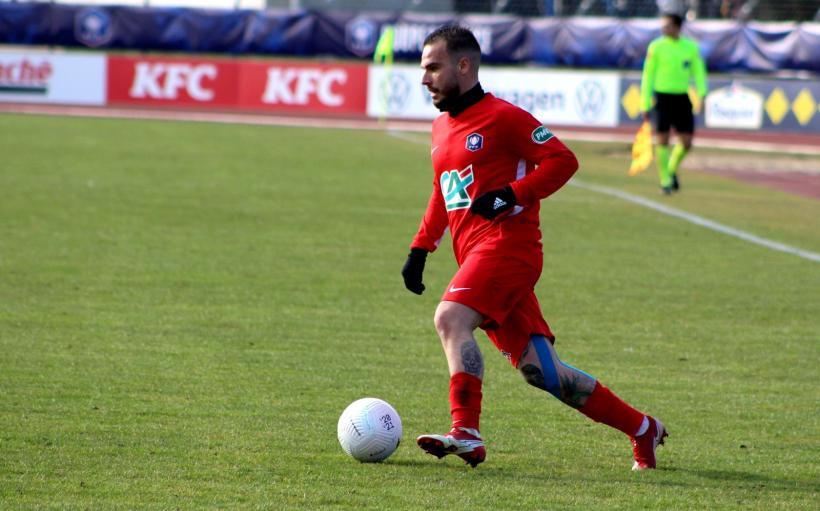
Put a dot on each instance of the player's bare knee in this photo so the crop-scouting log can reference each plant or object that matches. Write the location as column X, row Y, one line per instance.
column 451, row 323
column 443, row 320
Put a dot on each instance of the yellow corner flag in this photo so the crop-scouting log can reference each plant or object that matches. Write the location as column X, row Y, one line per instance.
column 383, row 54
column 641, row 150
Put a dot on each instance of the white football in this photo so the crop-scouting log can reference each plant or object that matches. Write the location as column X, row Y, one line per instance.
column 369, row 429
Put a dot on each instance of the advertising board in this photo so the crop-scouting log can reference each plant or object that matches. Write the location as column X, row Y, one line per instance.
column 52, row 78
column 554, row 97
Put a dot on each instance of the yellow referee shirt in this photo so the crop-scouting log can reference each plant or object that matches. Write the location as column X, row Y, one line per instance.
column 669, row 67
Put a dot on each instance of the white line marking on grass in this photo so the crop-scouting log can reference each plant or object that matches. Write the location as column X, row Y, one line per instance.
column 409, row 137
column 698, row 220
column 267, row 119
column 667, row 210
column 703, row 141
column 396, row 129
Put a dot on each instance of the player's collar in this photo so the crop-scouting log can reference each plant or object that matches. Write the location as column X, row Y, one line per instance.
column 463, row 102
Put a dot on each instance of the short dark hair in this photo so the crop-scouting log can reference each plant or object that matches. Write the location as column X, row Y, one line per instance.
column 459, row 40
column 675, row 18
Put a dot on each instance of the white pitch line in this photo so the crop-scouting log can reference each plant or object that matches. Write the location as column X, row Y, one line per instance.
column 698, row 220
column 673, row 212
column 705, row 141
column 365, row 124
column 395, row 129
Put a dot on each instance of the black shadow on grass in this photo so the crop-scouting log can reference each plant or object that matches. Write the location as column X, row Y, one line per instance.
column 447, row 465
column 749, row 479
column 717, row 478
column 430, row 463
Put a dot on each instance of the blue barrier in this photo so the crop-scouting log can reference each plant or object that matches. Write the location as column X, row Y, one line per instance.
column 583, row 42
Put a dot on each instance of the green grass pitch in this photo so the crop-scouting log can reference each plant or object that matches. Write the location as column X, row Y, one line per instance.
column 186, row 309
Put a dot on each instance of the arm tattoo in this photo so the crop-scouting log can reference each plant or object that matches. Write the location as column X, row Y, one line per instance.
column 471, row 358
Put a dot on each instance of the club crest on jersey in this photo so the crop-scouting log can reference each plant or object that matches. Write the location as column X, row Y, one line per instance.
column 474, row 142
column 454, row 185
column 541, row 134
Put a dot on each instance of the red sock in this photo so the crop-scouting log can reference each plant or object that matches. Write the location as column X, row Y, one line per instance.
column 604, row 406
column 465, row 400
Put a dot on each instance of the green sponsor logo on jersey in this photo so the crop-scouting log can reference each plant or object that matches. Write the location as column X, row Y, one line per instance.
column 541, row 134
column 454, row 185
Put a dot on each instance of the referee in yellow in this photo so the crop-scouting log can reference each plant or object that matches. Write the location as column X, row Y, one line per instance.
column 672, row 62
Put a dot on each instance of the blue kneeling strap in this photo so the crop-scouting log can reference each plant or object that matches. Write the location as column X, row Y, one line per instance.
column 547, row 367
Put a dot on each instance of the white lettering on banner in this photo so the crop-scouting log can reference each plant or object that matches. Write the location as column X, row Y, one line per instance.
column 409, row 37
column 730, row 114
column 164, row 81
column 195, row 88
column 295, row 86
column 484, row 35
column 734, row 107
column 25, row 73
column 531, row 100
column 555, row 97
column 559, row 97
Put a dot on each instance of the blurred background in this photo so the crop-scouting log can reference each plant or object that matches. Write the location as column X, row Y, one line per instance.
column 569, row 62
column 795, row 10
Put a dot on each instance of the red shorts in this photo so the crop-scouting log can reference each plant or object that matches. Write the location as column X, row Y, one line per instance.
column 501, row 289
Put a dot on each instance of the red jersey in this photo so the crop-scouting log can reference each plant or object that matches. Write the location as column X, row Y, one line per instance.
column 490, row 145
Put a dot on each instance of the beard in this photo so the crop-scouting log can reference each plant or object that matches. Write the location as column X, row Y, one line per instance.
column 446, row 95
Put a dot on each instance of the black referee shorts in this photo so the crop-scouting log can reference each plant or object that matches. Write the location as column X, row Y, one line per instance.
column 673, row 110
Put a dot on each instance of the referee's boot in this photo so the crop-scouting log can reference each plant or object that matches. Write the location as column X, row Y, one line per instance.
column 466, row 443
column 675, row 183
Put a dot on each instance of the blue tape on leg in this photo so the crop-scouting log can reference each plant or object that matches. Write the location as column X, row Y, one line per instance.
column 577, row 370
column 547, row 366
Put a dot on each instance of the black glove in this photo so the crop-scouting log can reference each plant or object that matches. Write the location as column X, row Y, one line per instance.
column 493, row 203
column 413, row 268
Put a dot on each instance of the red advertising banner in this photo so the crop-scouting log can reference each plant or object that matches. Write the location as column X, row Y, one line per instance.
column 304, row 87
column 183, row 82
column 273, row 86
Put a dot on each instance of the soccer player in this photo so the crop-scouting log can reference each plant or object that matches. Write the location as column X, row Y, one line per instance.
column 493, row 162
column 671, row 63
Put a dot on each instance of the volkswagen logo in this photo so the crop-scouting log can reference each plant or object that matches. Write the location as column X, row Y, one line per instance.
column 590, row 100
column 394, row 92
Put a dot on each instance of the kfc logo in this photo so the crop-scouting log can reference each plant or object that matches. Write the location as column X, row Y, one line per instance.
column 167, row 81
column 261, row 85
column 297, row 86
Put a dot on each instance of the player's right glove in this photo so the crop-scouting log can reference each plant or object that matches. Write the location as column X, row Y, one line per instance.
column 413, row 269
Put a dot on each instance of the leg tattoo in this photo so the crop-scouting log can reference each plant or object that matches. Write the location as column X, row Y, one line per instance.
column 572, row 386
column 574, row 390
column 534, row 376
column 471, row 358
